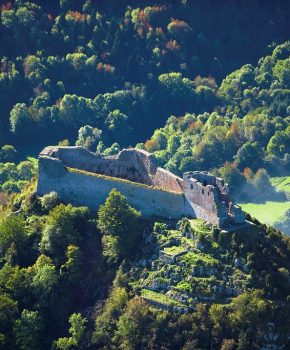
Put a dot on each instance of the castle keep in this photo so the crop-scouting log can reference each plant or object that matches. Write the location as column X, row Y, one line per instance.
column 83, row 178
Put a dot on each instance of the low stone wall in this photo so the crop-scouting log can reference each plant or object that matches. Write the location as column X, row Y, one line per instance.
column 83, row 188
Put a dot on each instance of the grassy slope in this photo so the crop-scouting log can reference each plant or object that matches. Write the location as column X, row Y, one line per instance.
column 281, row 183
column 268, row 212
column 207, row 271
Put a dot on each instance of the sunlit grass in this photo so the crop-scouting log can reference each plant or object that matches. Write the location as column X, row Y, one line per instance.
column 281, row 183
column 268, row 212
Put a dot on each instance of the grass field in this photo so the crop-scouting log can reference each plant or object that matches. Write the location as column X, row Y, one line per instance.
column 268, row 212
column 281, row 183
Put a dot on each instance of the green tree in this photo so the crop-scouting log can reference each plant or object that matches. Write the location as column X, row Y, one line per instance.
column 71, row 269
column 281, row 71
column 117, row 219
column 27, row 330
column 135, row 325
column 44, row 279
column 249, row 155
column 13, row 231
column 248, row 309
column 63, row 227
column 89, row 137
column 8, row 315
column 19, row 117
column 77, row 330
column 26, row 170
column 8, row 154
column 261, row 181
column 105, row 323
column 279, row 143
column 118, row 126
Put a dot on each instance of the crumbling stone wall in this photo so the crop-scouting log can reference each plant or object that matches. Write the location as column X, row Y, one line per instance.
column 83, row 188
column 208, row 196
column 134, row 165
column 83, row 178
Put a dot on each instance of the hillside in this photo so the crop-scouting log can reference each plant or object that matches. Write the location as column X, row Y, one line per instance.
column 108, row 65
column 130, row 282
column 202, row 85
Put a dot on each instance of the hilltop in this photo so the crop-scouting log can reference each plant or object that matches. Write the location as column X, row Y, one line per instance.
column 59, row 260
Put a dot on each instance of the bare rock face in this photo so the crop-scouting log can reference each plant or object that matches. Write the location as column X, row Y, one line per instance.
column 84, row 178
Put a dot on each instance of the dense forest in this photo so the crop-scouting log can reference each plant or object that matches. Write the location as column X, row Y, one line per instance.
column 202, row 85
column 109, row 65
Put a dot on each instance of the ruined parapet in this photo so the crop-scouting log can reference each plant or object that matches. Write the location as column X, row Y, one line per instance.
column 81, row 177
column 132, row 164
column 166, row 180
column 208, row 196
column 203, row 177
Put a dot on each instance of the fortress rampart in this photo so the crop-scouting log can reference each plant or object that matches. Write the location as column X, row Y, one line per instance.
column 83, row 178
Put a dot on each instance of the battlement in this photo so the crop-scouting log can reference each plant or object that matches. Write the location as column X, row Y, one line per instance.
column 84, row 178
column 209, row 195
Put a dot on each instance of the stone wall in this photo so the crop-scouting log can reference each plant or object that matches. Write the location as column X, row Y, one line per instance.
column 167, row 181
column 83, row 178
column 208, row 197
column 203, row 201
column 82, row 188
column 134, row 165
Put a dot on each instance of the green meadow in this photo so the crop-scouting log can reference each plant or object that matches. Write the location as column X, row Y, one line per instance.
column 268, row 212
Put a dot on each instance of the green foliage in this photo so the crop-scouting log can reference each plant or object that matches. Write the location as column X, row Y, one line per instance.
column 63, row 227
column 71, row 66
column 247, row 309
column 88, row 137
column 7, row 154
column 19, row 117
column 106, row 322
column 133, row 328
column 49, row 200
column 281, row 71
column 71, row 269
column 27, row 330
column 8, row 315
column 13, row 178
column 76, row 330
column 119, row 224
column 43, row 281
column 114, row 73
column 13, row 237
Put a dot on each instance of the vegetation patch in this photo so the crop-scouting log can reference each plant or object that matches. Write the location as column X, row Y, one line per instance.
column 281, row 183
column 160, row 298
column 193, row 259
column 174, row 250
column 268, row 212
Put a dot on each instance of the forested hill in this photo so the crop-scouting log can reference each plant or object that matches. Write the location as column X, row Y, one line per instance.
column 71, row 279
column 202, row 85
column 106, row 64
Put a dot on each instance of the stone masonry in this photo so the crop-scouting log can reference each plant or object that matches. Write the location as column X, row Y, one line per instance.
column 84, row 178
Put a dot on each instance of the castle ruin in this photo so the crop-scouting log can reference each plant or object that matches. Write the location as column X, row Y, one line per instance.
column 84, row 178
